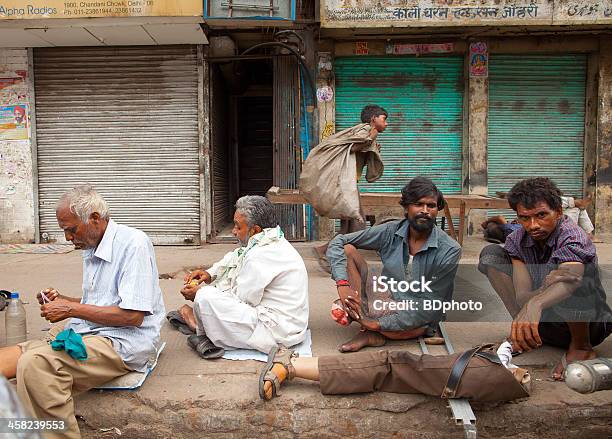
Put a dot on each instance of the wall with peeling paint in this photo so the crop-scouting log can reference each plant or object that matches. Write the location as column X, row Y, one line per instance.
column 16, row 190
column 603, row 200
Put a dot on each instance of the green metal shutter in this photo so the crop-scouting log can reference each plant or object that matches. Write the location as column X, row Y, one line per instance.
column 536, row 120
column 424, row 98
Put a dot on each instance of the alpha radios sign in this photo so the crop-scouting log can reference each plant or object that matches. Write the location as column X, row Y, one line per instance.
column 37, row 9
column 418, row 13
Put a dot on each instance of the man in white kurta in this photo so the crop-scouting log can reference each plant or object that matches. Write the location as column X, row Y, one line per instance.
column 266, row 303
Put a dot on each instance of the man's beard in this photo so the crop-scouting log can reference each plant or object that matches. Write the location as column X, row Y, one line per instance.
column 422, row 226
column 244, row 243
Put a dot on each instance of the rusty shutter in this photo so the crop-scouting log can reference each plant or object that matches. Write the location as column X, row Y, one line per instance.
column 536, row 121
column 124, row 119
column 287, row 150
column 222, row 209
column 424, row 98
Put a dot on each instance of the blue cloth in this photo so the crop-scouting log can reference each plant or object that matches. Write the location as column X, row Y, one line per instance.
column 509, row 228
column 72, row 343
column 122, row 272
column 437, row 261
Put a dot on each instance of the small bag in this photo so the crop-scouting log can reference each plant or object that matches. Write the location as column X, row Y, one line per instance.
column 479, row 374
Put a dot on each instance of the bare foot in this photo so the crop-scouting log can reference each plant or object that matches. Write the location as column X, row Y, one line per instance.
column 363, row 339
column 571, row 356
column 186, row 313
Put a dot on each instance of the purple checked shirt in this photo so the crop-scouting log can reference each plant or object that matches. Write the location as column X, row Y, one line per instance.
column 567, row 243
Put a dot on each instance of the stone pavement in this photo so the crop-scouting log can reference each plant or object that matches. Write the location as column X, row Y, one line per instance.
column 189, row 397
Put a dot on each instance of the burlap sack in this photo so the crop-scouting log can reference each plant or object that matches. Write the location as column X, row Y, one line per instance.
column 329, row 175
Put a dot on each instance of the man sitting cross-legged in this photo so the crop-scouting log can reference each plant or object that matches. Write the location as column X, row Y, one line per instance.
column 255, row 297
column 548, row 278
column 414, row 251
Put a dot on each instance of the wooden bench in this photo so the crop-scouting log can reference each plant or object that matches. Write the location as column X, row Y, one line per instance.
column 387, row 204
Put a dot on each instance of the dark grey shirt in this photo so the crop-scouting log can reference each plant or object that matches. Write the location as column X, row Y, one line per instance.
column 436, row 261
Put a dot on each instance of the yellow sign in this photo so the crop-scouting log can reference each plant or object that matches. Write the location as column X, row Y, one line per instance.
column 19, row 9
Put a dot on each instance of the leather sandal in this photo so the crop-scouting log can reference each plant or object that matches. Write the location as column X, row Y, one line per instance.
column 204, row 347
column 277, row 355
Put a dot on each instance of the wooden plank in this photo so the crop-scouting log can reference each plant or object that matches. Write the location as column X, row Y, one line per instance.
column 293, row 196
column 285, row 196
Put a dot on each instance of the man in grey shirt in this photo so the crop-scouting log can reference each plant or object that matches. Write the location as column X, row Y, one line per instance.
column 419, row 266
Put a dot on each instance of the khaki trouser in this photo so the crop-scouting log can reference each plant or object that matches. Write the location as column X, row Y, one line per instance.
column 47, row 380
column 404, row 372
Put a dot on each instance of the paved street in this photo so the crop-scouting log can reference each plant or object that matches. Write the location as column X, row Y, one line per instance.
column 187, row 396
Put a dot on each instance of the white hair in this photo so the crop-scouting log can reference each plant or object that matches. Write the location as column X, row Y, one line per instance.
column 83, row 201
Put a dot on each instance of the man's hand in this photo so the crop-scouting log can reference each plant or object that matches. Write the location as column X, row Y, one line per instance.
column 344, row 291
column 58, row 310
column 199, row 276
column 50, row 293
column 353, row 308
column 189, row 291
column 582, row 203
column 524, row 334
column 561, row 275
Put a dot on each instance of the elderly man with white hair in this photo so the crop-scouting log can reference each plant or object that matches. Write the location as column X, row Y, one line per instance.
column 255, row 297
column 112, row 329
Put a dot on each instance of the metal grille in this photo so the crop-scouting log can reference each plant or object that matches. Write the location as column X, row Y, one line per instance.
column 222, row 209
column 124, row 119
column 287, row 151
column 536, row 121
column 424, row 98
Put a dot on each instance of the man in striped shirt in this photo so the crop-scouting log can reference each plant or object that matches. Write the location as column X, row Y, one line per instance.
column 119, row 315
column 548, row 278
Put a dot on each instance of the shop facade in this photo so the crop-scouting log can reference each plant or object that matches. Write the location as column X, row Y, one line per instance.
column 526, row 97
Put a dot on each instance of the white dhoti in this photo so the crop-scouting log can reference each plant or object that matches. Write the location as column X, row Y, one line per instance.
column 230, row 323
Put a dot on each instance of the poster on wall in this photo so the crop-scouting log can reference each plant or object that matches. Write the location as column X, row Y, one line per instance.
column 479, row 60
column 14, row 122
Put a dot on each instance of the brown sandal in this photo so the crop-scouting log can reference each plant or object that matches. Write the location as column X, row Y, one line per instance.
column 277, row 355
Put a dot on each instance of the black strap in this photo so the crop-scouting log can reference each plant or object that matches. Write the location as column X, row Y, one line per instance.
column 493, row 358
column 459, row 366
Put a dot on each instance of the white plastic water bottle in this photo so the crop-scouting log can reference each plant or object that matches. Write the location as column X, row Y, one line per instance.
column 16, row 329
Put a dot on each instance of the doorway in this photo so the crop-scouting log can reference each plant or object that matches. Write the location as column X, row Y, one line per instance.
column 241, row 137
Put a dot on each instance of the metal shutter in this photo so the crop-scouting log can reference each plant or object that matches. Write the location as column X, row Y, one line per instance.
column 126, row 120
column 536, row 121
column 424, row 98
